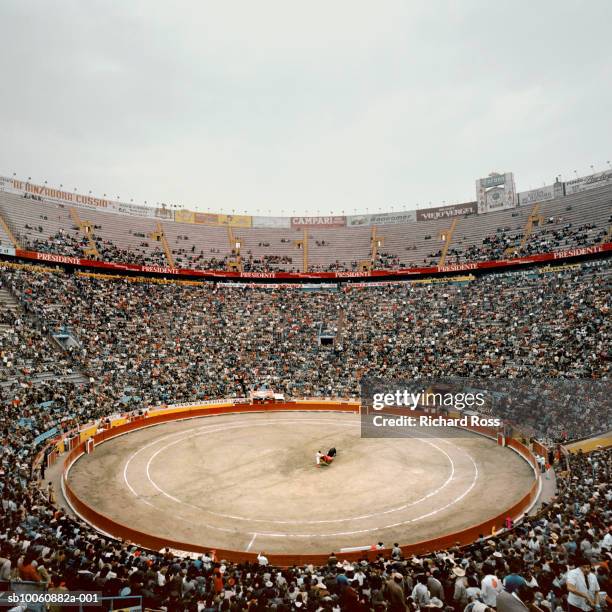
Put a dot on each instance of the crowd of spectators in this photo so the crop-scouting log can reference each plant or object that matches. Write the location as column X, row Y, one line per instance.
column 553, row 235
column 182, row 342
column 141, row 343
column 555, row 560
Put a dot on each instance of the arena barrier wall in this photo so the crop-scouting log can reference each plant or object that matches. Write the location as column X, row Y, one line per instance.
column 111, row 527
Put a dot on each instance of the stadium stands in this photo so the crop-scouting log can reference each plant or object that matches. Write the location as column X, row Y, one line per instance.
column 581, row 219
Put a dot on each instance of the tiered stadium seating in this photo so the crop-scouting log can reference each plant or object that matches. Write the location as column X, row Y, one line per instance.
column 125, row 238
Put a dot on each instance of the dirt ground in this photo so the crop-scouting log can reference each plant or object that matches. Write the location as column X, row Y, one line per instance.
column 249, row 482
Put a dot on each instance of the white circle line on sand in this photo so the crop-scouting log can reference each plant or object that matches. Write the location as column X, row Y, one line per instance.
column 344, row 533
column 294, row 522
column 142, row 448
column 153, row 443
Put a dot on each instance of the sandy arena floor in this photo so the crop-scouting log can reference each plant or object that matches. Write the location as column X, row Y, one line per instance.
column 248, row 482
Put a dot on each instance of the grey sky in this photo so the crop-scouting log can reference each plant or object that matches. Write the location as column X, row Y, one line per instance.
column 313, row 107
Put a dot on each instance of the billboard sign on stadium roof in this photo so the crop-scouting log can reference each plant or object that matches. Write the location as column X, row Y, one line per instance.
column 447, row 212
column 331, row 221
column 408, row 216
column 599, row 179
column 272, row 222
column 212, row 219
column 542, row 194
column 89, row 202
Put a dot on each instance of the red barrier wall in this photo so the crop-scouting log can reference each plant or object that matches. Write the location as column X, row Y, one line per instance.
column 147, row 540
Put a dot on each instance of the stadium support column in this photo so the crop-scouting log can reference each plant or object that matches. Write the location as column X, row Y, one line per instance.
column 86, row 228
column 376, row 241
column 235, row 244
column 9, row 232
column 534, row 219
column 303, row 244
column 305, row 252
column 160, row 236
column 447, row 236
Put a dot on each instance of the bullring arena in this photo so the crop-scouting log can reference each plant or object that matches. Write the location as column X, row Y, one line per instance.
column 244, row 480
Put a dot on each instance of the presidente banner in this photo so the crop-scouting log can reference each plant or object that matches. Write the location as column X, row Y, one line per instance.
column 447, row 212
column 584, row 183
column 272, row 222
column 408, row 216
column 332, row 221
column 59, row 196
column 212, row 219
column 500, row 264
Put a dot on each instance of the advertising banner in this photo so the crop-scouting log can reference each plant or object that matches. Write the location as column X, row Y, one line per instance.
column 447, row 212
column 533, row 196
column 584, row 183
column 164, row 213
column 214, row 219
column 235, row 220
column 333, row 221
column 397, row 218
column 59, row 196
column 205, row 218
column 184, row 216
column 6, row 250
column 272, row 222
column 136, row 210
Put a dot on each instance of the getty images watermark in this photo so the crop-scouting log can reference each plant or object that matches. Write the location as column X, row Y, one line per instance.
column 450, row 407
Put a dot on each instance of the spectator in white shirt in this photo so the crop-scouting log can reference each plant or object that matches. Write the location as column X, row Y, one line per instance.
column 262, row 559
column 579, row 597
column 420, row 593
column 490, row 586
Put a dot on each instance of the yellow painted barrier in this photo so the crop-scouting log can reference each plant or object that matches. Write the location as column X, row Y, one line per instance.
column 87, row 433
column 175, row 409
column 586, row 446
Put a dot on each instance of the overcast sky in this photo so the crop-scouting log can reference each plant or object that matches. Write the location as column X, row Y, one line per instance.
column 310, row 107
